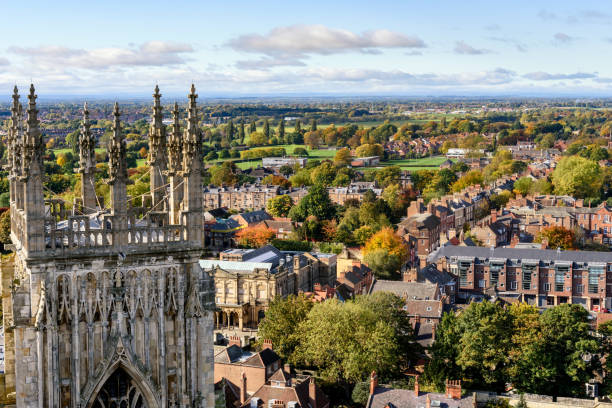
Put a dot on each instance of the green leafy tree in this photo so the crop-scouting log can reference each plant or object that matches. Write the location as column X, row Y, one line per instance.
column 5, row 227
column 281, row 323
column 313, row 125
column 241, row 133
column 279, row 206
column 524, row 185
column 324, row 174
column 253, row 127
column 266, row 129
column 316, row 203
column 281, row 129
column 578, row 177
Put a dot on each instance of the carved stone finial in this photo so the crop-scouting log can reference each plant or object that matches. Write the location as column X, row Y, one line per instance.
column 117, row 166
column 33, row 147
column 192, row 140
column 175, row 143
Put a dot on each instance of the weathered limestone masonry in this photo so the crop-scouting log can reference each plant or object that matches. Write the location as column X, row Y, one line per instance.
column 107, row 307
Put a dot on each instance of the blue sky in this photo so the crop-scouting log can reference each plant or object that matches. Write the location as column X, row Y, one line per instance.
column 334, row 47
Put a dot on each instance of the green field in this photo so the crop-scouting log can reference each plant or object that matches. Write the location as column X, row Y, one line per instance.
column 66, row 150
column 426, row 163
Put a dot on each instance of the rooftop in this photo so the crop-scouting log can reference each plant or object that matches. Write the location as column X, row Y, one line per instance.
column 521, row 253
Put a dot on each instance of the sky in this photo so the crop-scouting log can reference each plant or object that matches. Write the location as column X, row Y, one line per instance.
column 332, row 47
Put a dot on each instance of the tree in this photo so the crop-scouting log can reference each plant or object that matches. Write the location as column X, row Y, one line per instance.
column 266, row 129
column 281, row 323
column 361, row 393
column 230, row 130
column 471, row 178
column 557, row 237
column 241, row 134
column 61, row 160
column 523, row 185
column 312, row 139
column 389, row 241
column 313, row 125
column 275, row 180
column 5, row 227
column 300, row 152
column 324, row 174
column 316, row 203
column 253, row 127
column 279, row 206
column 578, row 177
column 281, row 129
column 346, row 341
column 383, row 264
column 298, row 126
column 343, row 157
column 286, row 170
column 564, row 371
column 368, row 150
column 143, row 152
column 393, row 196
column 388, row 175
column 224, row 174
column 255, row 237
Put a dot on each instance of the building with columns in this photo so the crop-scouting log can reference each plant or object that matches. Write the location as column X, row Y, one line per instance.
column 107, row 307
column 246, row 281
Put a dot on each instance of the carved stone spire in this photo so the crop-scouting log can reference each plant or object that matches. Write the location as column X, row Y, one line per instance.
column 192, row 172
column 33, row 148
column 32, row 174
column 175, row 152
column 117, row 166
column 192, row 141
column 87, row 162
column 13, row 133
column 157, row 153
column 175, row 143
column 117, row 169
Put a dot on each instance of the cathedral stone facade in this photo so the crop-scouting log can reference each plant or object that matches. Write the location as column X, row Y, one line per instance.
column 108, row 306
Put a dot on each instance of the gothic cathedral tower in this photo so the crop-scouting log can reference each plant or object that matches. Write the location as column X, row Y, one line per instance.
column 108, row 307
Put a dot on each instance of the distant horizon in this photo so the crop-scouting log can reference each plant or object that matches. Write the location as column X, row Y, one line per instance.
column 525, row 48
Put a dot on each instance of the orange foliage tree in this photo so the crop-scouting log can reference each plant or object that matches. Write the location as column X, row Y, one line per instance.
column 557, row 237
column 386, row 239
column 255, row 236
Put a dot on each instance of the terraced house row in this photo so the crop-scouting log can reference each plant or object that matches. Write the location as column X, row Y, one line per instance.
column 540, row 277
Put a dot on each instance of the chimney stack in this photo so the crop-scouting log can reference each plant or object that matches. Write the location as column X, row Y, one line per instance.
column 373, row 382
column 243, row 389
column 453, row 389
column 312, row 393
column 234, row 341
column 267, row 344
column 493, row 216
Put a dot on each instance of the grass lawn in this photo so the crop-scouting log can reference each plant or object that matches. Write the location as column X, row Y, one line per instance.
column 66, row 150
column 427, row 163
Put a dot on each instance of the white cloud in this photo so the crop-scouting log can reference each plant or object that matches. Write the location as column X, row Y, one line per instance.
column 152, row 53
column 461, row 47
column 545, row 76
column 297, row 42
column 4, row 62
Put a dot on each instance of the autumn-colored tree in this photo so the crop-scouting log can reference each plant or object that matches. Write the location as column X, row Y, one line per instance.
column 312, row 139
column 255, row 237
column 143, row 152
column 471, row 178
column 343, row 157
column 329, row 229
column 388, row 240
column 61, row 160
column 275, row 180
column 368, row 150
column 557, row 237
column 51, row 144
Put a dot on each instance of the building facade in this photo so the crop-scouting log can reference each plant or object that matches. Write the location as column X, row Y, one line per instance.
column 106, row 308
column 537, row 276
column 246, row 281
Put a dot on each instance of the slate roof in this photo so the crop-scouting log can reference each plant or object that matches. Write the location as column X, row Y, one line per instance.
column 231, row 354
column 521, row 253
column 407, row 290
column 399, row 398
